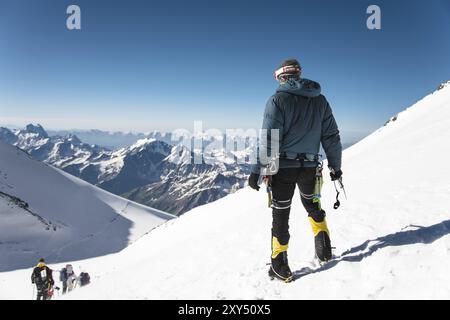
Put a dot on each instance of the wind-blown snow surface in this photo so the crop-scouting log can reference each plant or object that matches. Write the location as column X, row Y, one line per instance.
column 45, row 212
column 391, row 236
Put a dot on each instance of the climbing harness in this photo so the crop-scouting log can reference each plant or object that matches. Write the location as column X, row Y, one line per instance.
column 317, row 193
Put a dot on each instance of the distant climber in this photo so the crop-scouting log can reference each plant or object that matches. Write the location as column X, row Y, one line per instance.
column 84, row 279
column 304, row 120
column 43, row 279
column 68, row 278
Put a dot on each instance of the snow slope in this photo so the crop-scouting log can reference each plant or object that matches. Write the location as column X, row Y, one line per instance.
column 391, row 236
column 45, row 212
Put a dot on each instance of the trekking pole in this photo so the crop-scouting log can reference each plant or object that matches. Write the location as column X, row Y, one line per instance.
column 32, row 297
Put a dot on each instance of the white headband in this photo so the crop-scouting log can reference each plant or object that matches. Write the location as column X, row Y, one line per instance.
column 287, row 69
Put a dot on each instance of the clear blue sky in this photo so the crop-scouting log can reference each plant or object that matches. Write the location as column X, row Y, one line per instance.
column 145, row 65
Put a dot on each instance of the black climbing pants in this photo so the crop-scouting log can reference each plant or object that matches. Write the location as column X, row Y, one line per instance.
column 42, row 292
column 283, row 188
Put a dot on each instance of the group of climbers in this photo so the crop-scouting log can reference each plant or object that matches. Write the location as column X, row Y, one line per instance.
column 42, row 277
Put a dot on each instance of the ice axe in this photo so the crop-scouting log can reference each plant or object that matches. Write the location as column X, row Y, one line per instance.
column 337, row 204
column 267, row 172
column 268, row 181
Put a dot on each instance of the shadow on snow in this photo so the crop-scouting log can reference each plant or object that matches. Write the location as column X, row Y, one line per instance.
column 425, row 235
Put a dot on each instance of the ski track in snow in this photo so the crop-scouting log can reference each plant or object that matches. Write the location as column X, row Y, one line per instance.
column 391, row 235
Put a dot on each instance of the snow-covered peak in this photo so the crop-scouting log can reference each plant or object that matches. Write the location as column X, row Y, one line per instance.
column 72, row 138
column 141, row 143
column 36, row 129
column 149, row 145
column 180, row 155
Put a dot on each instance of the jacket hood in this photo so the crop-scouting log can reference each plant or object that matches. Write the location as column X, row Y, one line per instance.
column 301, row 87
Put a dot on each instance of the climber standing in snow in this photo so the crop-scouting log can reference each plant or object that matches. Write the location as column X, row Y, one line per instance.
column 68, row 278
column 304, row 120
column 43, row 279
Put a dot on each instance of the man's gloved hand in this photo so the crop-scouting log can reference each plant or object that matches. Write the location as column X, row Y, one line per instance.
column 335, row 175
column 253, row 181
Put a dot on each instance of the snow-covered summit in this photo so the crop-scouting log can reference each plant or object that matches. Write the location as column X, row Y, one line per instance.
column 36, row 129
column 142, row 143
column 72, row 138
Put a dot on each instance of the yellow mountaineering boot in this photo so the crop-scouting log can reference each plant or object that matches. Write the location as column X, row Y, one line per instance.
column 279, row 267
column 321, row 236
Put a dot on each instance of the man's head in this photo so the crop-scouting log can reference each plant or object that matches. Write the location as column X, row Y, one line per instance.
column 41, row 263
column 288, row 69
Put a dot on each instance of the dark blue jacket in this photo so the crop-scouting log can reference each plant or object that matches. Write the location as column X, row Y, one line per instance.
column 305, row 120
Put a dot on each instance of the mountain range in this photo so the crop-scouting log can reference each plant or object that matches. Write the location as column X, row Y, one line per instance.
column 144, row 172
